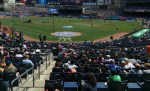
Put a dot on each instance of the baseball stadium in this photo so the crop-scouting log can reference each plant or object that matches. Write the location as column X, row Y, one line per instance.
column 74, row 45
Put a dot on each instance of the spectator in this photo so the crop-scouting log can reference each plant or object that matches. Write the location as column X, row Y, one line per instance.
column 91, row 83
column 112, row 65
column 10, row 67
column 85, row 71
column 27, row 61
column 107, row 59
column 114, row 76
column 129, row 65
column 137, row 70
column 58, row 63
column 18, row 59
column 1, row 50
column 58, row 66
column 147, row 68
column 2, row 65
column 123, row 63
column 2, row 62
column 72, row 63
column 69, row 68
column 1, row 69
column 49, row 87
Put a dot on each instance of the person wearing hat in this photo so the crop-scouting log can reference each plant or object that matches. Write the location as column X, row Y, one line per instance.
column 107, row 59
column 19, row 56
column 37, row 50
column 69, row 68
column 9, row 67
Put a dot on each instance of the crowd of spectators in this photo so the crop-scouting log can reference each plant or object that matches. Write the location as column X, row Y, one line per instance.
column 125, row 55
column 15, row 56
column 136, row 1
column 137, row 8
column 100, row 11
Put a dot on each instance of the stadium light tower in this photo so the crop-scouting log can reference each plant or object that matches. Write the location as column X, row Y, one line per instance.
column 53, row 18
column 12, row 19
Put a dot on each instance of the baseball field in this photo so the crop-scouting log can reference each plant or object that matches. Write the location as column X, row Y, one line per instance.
column 85, row 29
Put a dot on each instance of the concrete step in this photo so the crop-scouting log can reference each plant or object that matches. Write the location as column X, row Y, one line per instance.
column 39, row 83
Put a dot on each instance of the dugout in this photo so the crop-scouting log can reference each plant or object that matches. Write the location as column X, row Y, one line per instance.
column 140, row 33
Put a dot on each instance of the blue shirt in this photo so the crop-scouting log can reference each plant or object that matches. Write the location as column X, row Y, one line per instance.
column 27, row 61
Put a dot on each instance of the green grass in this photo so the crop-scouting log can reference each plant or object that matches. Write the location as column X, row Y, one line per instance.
column 98, row 30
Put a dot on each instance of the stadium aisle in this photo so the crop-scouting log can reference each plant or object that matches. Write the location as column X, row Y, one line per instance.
column 39, row 83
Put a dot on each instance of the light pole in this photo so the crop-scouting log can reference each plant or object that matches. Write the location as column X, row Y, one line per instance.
column 12, row 14
column 53, row 18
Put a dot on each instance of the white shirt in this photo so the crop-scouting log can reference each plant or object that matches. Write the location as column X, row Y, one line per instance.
column 129, row 65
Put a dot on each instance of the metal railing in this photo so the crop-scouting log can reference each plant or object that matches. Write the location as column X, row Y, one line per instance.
column 47, row 63
column 19, row 77
column 47, row 60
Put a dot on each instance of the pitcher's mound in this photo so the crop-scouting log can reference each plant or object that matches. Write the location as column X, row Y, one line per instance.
column 66, row 34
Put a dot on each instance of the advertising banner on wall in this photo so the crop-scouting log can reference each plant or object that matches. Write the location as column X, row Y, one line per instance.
column 53, row 10
column 71, row 2
column 100, row 2
column 108, row 2
column 42, row 1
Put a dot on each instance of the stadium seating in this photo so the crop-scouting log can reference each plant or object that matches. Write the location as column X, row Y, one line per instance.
column 145, row 85
column 10, row 77
column 55, row 84
column 118, row 86
column 90, row 54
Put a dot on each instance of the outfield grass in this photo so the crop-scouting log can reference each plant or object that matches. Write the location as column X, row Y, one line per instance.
column 99, row 29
